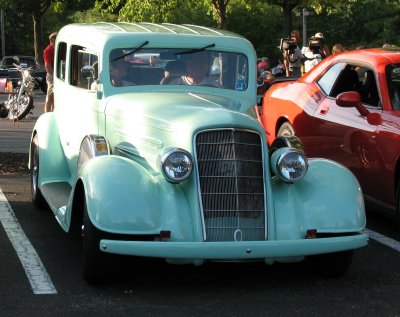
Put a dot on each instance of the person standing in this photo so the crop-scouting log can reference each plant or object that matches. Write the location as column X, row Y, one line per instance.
column 48, row 58
column 312, row 55
column 263, row 65
column 338, row 48
column 293, row 58
column 325, row 49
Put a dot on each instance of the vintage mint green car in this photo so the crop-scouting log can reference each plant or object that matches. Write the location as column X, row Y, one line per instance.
column 154, row 150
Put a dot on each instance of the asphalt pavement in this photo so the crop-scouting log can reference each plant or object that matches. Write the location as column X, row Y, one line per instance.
column 15, row 136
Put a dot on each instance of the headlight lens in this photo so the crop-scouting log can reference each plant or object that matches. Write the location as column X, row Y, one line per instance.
column 176, row 164
column 289, row 164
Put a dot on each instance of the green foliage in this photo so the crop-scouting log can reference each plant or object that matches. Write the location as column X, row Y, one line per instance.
column 256, row 22
column 158, row 11
column 349, row 22
column 93, row 15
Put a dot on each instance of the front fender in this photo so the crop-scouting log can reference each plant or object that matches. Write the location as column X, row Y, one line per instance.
column 52, row 163
column 123, row 197
column 328, row 199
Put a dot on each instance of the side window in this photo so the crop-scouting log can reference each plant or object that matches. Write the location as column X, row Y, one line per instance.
column 327, row 81
column 81, row 59
column 61, row 60
column 349, row 79
column 369, row 91
column 393, row 83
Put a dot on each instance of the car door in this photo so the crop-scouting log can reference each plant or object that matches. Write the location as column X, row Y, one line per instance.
column 76, row 105
column 348, row 136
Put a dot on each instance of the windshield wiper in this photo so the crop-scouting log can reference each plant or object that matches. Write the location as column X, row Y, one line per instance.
column 130, row 52
column 195, row 50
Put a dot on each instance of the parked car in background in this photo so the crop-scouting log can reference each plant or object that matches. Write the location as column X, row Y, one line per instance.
column 8, row 70
column 347, row 108
column 181, row 171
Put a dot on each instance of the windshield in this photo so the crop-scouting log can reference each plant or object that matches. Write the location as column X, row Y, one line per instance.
column 10, row 61
column 225, row 70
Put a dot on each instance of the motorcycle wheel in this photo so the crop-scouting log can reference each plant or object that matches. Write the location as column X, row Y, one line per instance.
column 18, row 112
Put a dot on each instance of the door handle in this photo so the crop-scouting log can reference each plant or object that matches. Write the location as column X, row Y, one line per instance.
column 323, row 110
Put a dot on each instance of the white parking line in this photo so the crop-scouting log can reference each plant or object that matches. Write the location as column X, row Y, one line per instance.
column 391, row 243
column 37, row 275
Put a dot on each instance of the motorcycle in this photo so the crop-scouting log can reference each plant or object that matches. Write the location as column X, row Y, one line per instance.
column 20, row 99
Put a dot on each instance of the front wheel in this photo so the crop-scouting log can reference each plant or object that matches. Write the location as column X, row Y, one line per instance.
column 286, row 129
column 20, row 107
column 96, row 264
column 331, row 265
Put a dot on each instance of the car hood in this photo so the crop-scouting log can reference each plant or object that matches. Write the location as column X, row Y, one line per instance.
column 147, row 122
column 172, row 110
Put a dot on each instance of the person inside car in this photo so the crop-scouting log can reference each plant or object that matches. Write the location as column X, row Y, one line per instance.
column 118, row 73
column 119, row 69
column 197, row 71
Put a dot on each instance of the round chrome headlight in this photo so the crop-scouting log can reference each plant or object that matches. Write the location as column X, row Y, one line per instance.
column 289, row 164
column 176, row 165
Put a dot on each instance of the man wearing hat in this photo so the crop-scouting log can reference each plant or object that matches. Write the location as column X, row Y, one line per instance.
column 325, row 51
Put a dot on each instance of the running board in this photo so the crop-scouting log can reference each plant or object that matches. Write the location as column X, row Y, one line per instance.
column 56, row 194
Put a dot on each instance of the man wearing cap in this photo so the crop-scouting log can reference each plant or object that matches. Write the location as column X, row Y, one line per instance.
column 325, row 51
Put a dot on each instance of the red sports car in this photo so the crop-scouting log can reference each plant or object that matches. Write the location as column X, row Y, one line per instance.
column 347, row 108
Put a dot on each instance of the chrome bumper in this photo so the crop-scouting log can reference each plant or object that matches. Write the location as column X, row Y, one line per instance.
column 244, row 250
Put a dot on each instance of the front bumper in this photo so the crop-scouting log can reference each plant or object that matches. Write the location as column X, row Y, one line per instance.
column 244, row 250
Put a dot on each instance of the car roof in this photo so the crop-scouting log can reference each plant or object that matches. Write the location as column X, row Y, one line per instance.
column 146, row 27
column 98, row 35
column 371, row 56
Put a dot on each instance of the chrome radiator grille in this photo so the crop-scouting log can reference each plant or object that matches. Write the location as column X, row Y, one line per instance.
column 231, row 183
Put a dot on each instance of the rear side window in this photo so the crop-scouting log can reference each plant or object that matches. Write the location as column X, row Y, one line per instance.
column 61, row 60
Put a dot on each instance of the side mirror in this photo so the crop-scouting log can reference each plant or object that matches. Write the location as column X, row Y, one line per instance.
column 350, row 99
column 87, row 72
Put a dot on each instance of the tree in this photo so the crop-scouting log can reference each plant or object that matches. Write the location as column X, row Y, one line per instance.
column 34, row 11
column 39, row 8
column 220, row 7
column 174, row 11
column 287, row 8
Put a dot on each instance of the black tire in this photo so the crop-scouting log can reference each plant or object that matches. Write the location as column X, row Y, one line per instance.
column 43, row 85
column 286, row 129
column 96, row 264
column 19, row 112
column 331, row 265
column 37, row 197
column 398, row 205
